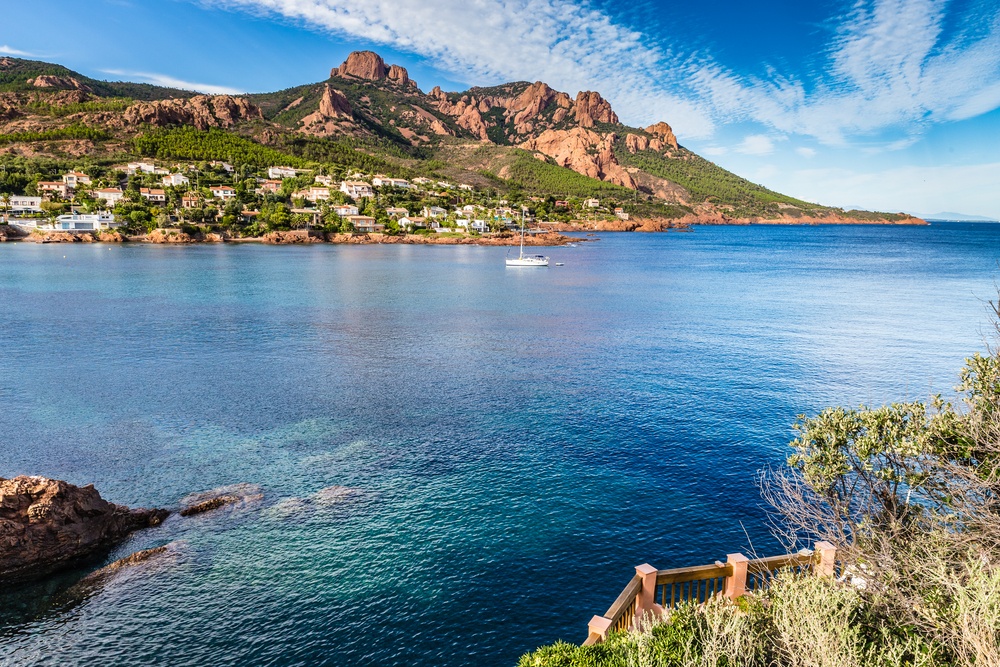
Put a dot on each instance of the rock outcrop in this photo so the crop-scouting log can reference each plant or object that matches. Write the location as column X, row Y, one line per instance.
column 333, row 116
column 58, row 82
column 590, row 108
column 47, row 525
column 369, row 66
column 202, row 111
column 400, row 76
column 233, row 495
column 584, row 151
column 362, row 65
column 663, row 131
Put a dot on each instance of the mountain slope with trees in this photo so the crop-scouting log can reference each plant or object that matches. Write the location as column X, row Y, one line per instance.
column 518, row 138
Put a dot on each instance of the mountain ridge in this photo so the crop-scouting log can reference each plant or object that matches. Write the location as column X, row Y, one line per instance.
column 517, row 136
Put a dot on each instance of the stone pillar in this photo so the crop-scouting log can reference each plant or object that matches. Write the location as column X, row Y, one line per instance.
column 827, row 559
column 646, row 599
column 598, row 630
column 736, row 583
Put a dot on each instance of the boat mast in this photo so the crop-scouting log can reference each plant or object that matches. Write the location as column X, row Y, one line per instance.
column 522, row 231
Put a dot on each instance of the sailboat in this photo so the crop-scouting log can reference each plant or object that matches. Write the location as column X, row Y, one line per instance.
column 526, row 260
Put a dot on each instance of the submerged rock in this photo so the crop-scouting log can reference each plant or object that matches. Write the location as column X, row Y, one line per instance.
column 47, row 525
column 147, row 561
column 232, row 495
column 332, row 495
column 209, row 505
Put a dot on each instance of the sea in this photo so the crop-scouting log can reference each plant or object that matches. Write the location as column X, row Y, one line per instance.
column 505, row 445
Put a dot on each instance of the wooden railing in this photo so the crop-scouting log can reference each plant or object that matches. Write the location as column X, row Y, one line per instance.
column 652, row 591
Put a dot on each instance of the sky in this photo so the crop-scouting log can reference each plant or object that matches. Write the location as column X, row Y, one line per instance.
column 889, row 105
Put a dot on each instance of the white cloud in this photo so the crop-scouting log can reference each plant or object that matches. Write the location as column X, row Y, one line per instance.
column 891, row 64
column 901, row 64
column 10, row 51
column 171, row 82
column 569, row 45
column 756, row 144
column 805, row 151
column 714, row 151
column 966, row 189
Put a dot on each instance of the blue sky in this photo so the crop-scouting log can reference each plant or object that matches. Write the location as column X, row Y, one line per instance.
column 884, row 104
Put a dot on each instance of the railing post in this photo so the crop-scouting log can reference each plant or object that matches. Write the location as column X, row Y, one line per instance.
column 736, row 584
column 827, row 559
column 646, row 599
column 598, row 629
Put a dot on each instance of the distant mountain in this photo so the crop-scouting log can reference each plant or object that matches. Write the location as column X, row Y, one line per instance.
column 522, row 138
column 951, row 216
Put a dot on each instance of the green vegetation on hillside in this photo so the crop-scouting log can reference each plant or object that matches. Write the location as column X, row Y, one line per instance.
column 706, row 181
column 109, row 104
column 70, row 132
column 15, row 75
column 189, row 143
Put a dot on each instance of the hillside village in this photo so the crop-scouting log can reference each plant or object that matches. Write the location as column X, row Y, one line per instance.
column 139, row 197
column 363, row 152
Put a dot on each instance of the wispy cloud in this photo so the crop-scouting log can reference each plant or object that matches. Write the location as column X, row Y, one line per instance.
column 756, row 144
column 11, row 51
column 570, row 45
column 805, row 151
column 891, row 64
column 171, row 82
column 900, row 64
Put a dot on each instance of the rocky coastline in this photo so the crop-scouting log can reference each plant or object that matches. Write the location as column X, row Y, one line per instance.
column 298, row 237
column 48, row 525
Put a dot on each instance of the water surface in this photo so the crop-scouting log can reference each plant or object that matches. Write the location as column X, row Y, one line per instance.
column 520, row 439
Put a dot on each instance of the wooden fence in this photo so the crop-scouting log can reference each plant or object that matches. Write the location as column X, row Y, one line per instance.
column 653, row 591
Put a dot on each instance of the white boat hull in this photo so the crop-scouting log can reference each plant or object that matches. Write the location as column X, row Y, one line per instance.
column 528, row 261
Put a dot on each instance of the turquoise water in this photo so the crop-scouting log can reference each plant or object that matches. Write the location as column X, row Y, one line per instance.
column 518, row 439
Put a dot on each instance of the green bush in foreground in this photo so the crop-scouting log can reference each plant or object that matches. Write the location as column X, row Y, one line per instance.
column 798, row 622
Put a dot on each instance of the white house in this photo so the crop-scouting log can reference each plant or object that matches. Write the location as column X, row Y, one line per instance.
column 465, row 186
column 318, row 193
column 621, row 214
column 281, row 172
column 385, row 181
column 422, row 181
column 24, row 204
column 54, row 188
column 356, row 189
column 176, row 180
column 324, row 180
column 76, row 178
column 480, row 226
column 406, row 222
column 136, row 167
column 365, row 223
column 223, row 192
column 433, row 212
column 82, row 222
column 226, row 167
column 153, row 195
column 345, row 210
column 395, row 213
column 592, row 203
column 273, row 186
column 110, row 195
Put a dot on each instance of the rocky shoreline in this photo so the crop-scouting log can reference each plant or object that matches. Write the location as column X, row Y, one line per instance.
column 48, row 525
column 299, row 237
column 553, row 236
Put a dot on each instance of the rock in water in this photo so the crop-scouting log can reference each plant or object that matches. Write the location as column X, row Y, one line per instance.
column 235, row 495
column 47, row 525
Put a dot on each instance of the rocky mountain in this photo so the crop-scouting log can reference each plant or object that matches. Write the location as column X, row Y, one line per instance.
column 518, row 135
